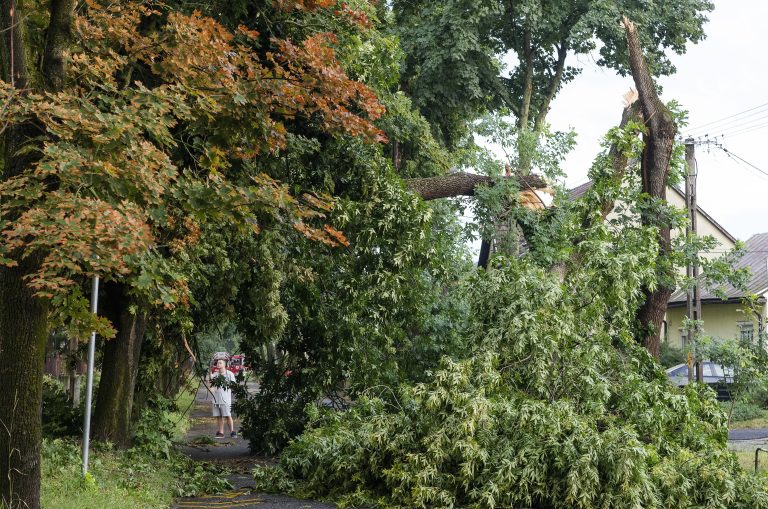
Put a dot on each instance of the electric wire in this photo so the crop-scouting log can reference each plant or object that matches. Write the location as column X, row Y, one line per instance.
column 731, row 129
column 745, row 125
column 734, row 124
column 747, row 130
column 701, row 126
column 744, row 161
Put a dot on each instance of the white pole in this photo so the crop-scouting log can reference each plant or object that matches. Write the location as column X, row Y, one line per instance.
column 89, row 381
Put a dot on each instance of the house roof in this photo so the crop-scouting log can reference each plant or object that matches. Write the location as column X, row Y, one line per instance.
column 756, row 258
column 707, row 216
column 579, row 191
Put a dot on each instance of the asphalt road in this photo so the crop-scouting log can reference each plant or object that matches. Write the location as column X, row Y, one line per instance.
column 235, row 455
column 747, row 434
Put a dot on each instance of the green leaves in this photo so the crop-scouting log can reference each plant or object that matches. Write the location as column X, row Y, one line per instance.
column 556, row 406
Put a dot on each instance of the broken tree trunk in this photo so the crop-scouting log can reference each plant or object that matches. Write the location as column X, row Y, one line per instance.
column 464, row 184
column 654, row 166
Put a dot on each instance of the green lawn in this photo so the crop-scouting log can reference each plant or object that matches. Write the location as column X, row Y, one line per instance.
column 119, row 479
column 123, row 479
column 747, row 461
column 757, row 422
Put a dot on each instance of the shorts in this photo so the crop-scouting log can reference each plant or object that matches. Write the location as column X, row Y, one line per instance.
column 221, row 411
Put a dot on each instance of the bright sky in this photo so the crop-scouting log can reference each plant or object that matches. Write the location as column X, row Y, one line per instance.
column 724, row 75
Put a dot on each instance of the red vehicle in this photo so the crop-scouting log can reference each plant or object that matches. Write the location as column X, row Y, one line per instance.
column 235, row 363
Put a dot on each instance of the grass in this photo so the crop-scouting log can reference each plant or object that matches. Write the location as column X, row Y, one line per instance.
column 747, row 461
column 184, row 403
column 757, row 422
column 124, row 479
column 745, row 415
column 118, row 480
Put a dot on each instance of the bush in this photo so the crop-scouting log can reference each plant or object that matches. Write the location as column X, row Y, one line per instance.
column 670, row 356
column 60, row 418
column 558, row 408
column 155, row 428
column 744, row 411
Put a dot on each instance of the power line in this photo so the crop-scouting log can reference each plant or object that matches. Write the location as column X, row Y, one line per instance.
column 736, row 123
column 738, row 127
column 748, row 130
column 699, row 127
column 744, row 161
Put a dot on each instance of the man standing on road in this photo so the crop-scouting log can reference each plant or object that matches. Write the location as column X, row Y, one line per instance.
column 222, row 398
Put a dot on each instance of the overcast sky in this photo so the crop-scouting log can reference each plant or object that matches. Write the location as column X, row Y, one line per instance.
column 723, row 75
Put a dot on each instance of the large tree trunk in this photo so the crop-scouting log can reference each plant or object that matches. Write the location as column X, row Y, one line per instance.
column 23, row 317
column 463, row 184
column 120, row 366
column 23, row 334
column 657, row 152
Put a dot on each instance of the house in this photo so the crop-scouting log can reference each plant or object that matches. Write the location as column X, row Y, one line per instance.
column 727, row 319
column 705, row 224
column 722, row 318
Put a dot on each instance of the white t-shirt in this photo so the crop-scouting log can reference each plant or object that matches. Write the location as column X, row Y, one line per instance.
column 222, row 395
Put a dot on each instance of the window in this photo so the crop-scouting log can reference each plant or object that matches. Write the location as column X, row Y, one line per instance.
column 683, row 337
column 746, row 331
column 681, row 371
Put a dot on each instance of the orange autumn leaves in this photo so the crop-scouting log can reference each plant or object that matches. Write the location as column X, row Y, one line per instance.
column 102, row 190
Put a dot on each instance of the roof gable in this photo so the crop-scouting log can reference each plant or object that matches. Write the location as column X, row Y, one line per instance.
column 580, row 190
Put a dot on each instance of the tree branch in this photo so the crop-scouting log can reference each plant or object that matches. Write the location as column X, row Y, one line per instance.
column 525, row 107
column 463, row 184
column 13, row 49
column 554, row 84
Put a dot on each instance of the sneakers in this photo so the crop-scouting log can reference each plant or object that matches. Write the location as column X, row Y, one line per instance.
column 233, row 434
column 219, row 434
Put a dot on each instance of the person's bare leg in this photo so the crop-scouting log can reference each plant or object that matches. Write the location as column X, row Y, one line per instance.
column 231, row 424
column 221, row 424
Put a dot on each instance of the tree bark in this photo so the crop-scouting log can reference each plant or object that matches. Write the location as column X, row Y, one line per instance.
column 463, row 184
column 654, row 166
column 58, row 39
column 23, row 334
column 120, row 366
column 525, row 106
column 23, row 317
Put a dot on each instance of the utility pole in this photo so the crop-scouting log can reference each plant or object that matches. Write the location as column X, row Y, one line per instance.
column 692, row 268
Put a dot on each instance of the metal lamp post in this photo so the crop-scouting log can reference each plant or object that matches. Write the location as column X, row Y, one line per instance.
column 89, row 380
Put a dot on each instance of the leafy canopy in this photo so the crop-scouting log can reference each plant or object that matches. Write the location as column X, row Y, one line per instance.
column 158, row 131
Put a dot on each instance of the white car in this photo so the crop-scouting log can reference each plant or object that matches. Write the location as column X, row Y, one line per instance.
column 716, row 376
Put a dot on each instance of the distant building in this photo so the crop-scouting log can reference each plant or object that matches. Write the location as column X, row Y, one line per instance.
column 722, row 318
column 727, row 318
column 705, row 224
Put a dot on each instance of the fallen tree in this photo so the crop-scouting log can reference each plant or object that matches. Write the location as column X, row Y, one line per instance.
column 558, row 405
column 464, row 184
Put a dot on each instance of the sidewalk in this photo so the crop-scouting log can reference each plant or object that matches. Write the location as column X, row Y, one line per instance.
column 235, row 455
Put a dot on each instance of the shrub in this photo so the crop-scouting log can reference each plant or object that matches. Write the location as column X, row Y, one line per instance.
column 60, row 418
column 557, row 408
column 155, row 428
column 744, row 411
column 671, row 356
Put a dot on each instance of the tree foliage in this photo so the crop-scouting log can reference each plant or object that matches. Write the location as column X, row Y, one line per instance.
column 555, row 406
column 159, row 131
column 456, row 51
